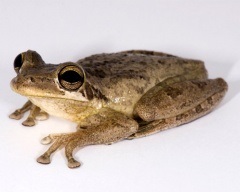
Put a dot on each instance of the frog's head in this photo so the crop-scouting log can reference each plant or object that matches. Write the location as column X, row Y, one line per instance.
column 36, row 79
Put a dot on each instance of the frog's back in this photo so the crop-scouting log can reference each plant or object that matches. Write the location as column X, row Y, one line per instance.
column 125, row 76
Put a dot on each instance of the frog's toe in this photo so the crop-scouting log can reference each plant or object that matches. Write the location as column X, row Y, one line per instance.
column 72, row 163
column 47, row 140
column 16, row 115
column 52, row 137
column 44, row 159
column 29, row 122
column 41, row 116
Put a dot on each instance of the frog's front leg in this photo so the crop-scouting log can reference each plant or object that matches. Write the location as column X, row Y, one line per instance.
column 107, row 126
column 168, row 106
column 35, row 113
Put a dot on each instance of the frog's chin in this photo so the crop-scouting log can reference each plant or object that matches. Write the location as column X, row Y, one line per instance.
column 40, row 99
column 60, row 107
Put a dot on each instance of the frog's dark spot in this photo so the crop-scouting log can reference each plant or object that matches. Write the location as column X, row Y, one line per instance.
column 183, row 105
column 162, row 121
column 200, row 84
column 179, row 117
column 199, row 109
column 44, row 79
column 172, row 92
column 139, row 90
column 32, row 79
column 89, row 92
column 83, row 94
column 183, row 62
column 170, row 55
column 210, row 100
column 96, row 72
column 99, row 95
column 143, row 62
column 92, row 92
column 137, row 118
column 147, row 52
column 97, row 64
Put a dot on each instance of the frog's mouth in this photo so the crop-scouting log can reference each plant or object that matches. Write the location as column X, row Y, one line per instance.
column 28, row 87
column 50, row 92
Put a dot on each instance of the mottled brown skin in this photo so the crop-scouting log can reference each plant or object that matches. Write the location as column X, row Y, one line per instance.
column 115, row 96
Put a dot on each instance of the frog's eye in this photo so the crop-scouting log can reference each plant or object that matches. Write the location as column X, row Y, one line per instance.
column 17, row 64
column 71, row 78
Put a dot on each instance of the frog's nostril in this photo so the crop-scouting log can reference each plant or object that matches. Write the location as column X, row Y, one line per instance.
column 32, row 80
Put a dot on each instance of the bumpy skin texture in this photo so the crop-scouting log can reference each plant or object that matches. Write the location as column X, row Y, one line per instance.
column 114, row 96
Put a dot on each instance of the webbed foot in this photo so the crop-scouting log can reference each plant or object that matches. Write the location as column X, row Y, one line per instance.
column 69, row 141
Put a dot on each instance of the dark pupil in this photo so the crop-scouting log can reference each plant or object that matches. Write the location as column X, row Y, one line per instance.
column 18, row 61
column 71, row 77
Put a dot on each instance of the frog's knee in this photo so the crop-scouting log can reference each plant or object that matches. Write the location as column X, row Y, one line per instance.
column 131, row 126
column 222, row 84
column 134, row 127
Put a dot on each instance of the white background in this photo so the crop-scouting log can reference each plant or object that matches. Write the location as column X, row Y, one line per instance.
column 201, row 156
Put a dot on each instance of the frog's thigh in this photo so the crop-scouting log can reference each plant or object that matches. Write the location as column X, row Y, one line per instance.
column 109, row 126
column 177, row 104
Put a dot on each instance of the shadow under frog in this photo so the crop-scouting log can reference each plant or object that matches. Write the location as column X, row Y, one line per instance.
column 111, row 97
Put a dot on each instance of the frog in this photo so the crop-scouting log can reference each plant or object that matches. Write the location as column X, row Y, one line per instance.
column 113, row 96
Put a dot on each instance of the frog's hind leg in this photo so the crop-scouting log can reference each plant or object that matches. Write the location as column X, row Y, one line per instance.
column 45, row 158
column 35, row 114
column 69, row 140
column 177, row 104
